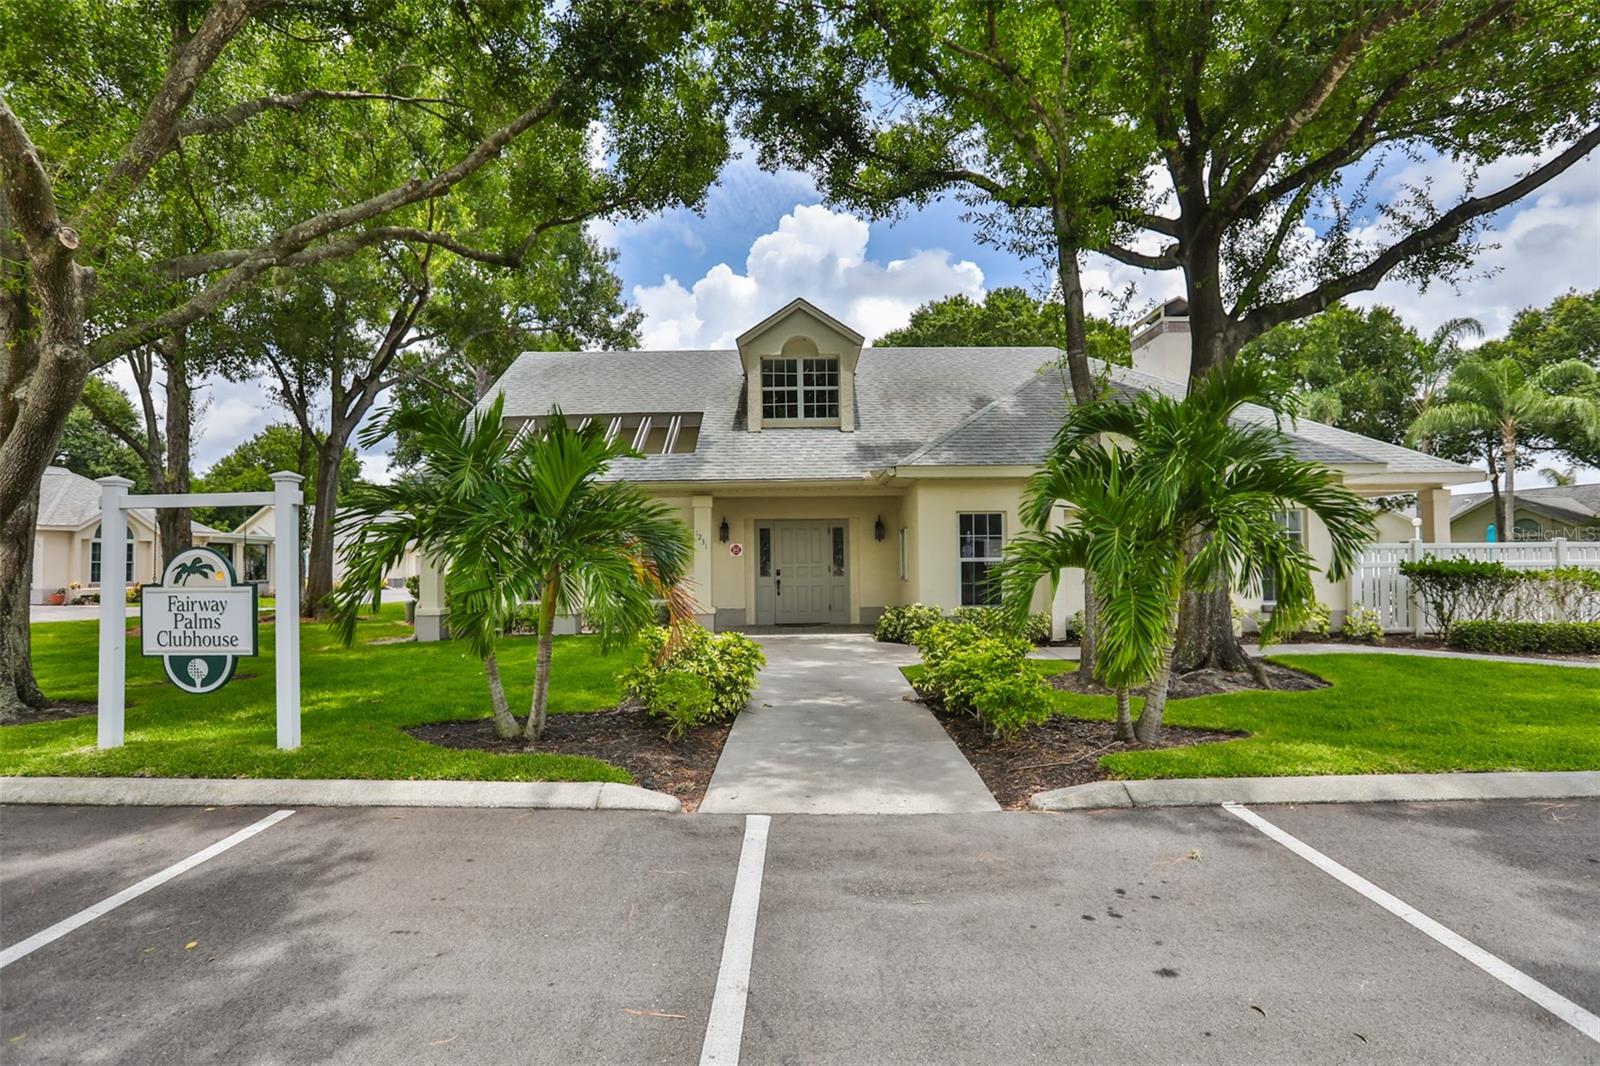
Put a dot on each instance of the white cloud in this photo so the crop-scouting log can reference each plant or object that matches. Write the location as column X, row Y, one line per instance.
column 815, row 253
column 1543, row 247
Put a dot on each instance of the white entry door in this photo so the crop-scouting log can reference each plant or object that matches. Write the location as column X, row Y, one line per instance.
column 807, row 584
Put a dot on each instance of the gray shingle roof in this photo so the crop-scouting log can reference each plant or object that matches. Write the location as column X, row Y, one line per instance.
column 914, row 407
column 1578, row 504
column 73, row 501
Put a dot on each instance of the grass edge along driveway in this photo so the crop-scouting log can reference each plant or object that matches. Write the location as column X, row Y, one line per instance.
column 355, row 705
column 1382, row 714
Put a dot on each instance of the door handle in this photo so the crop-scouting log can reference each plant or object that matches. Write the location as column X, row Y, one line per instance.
column 777, row 584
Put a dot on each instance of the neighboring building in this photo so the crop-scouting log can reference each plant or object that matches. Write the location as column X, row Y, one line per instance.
column 1545, row 513
column 824, row 482
column 66, row 541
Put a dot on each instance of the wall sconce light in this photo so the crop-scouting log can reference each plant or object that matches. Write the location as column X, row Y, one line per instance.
column 878, row 532
column 722, row 531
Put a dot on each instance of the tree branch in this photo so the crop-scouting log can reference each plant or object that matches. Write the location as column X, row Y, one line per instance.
column 1441, row 232
column 1363, row 136
column 27, row 185
column 301, row 235
column 1321, row 90
column 242, row 112
column 1164, row 261
column 157, row 131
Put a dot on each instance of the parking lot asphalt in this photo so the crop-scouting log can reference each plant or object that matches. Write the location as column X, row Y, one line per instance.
column 488, row 936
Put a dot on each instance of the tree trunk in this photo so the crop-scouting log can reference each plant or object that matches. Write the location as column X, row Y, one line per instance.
column 1147, row 730
column 1081, row 383
column 1499, row 507
column 1089, row 639
column 541, row 667
column 505, row 726
column 42, row 369
column 19, row 693
column 1205, row 638
column 176, row 530
column 1508, row 449
column 319, row 564
column 1124, row 716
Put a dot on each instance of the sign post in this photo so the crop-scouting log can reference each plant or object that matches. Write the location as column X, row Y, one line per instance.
column 200, row 620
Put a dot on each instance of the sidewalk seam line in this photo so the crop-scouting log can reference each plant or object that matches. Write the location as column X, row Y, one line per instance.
column 1552, row 1001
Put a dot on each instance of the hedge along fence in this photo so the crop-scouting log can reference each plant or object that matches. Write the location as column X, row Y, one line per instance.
column 1377, row 583
column 1458, row 591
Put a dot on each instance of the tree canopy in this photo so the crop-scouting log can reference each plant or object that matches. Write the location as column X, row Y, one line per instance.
column 1007, row 316
column 247, row 468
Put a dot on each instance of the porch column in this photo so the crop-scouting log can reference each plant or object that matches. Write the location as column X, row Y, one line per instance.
column 700, row 575
column 431, row 614
column 1433, row 505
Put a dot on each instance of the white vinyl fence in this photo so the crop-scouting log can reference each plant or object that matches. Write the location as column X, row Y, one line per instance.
column 1377, row 583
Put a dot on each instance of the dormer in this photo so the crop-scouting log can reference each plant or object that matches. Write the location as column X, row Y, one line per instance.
column 800, row 370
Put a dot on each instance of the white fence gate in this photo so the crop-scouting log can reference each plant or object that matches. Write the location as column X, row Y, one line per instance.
column 1377, row 583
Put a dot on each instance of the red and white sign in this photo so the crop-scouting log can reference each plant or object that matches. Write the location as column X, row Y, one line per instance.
column 736, row 550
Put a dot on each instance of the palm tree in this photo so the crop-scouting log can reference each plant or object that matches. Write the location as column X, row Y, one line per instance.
column 1186, row 499
column 1558, row 477
column 1436, row 358
column 1498, row 397
column 516, row 517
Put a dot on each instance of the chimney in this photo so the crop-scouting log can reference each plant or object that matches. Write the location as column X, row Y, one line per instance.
column 1161, row 342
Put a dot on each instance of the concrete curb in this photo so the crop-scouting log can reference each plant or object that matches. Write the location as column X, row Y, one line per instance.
column 277, row 792
column 1347, row 788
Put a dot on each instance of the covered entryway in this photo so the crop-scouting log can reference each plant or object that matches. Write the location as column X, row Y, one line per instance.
column 802, row 576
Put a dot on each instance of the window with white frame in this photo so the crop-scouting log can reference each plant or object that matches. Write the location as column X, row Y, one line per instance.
column 1294, row 523
column 94, row 559
column 799, row 389
column 981, row 540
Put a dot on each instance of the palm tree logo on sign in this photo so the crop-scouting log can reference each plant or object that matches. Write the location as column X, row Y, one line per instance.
column 200, row 620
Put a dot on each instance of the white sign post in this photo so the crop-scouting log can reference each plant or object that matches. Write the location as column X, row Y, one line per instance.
column 172, row 620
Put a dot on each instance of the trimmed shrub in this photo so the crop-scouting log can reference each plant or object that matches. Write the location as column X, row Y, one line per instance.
column 1561, row 638
column 900, row 625
column 1460, row 588
column 1363, row 623
column 1319, row 622
column 414, row 587
column 995, row 622
column 959, row 660
column 1008, row 705
column 1568, row 593
column 683, row 699
column 728, row 663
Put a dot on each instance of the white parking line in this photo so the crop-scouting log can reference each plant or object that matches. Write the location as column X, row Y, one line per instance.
column 1586, row 1023
column 725, row 1026
column 23, row 948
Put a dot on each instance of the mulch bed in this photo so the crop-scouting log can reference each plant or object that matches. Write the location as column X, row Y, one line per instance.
column 1063, row 751
column 624, row 736
column 1066, row 751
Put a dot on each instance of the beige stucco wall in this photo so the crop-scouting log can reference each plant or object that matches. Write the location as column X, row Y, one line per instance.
column 61, row 556
column 1473, row 526
column 926, row 509
column 934, row 504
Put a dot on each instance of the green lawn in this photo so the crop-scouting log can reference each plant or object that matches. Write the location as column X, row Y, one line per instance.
column 355, row 703
column 1383, row 714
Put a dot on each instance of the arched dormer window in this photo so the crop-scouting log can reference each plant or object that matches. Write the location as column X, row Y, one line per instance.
column 94, row 559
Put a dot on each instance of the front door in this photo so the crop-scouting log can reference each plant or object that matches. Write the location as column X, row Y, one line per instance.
column 806, row 583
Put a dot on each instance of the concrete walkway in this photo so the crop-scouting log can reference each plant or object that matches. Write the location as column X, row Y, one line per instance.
column 1071, row 654
column 830, row 731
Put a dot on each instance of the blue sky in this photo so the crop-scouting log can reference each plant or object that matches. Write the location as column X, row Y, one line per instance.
column 767, row 238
